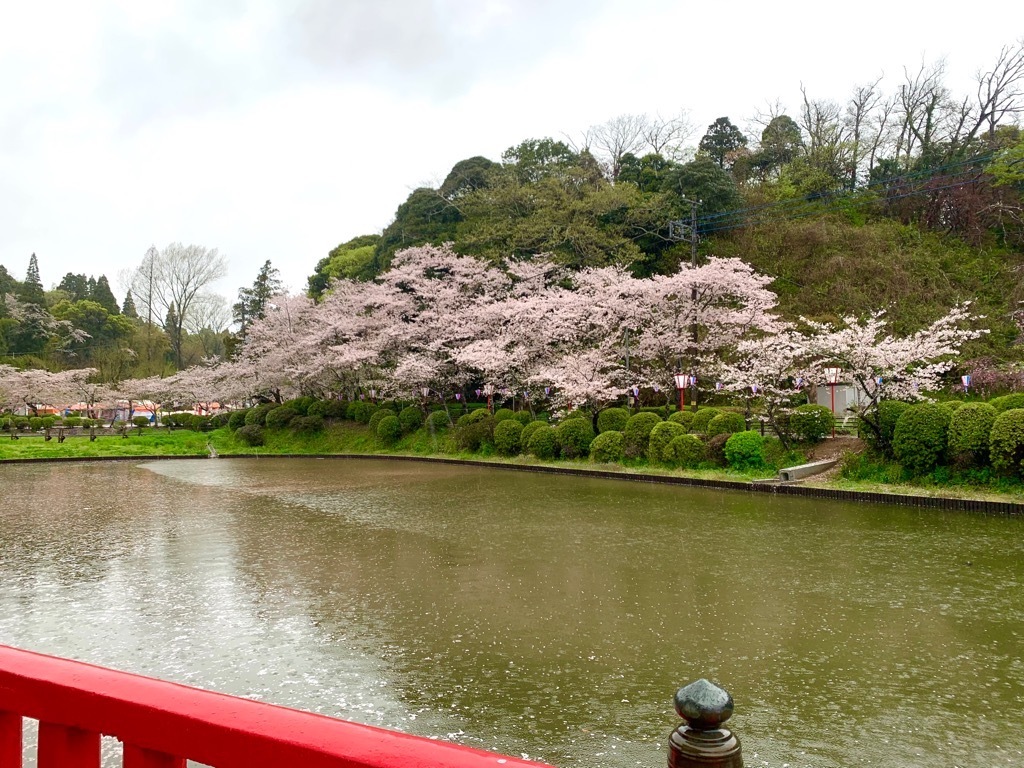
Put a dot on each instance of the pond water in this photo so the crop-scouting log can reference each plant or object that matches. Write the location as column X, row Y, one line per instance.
column 534, row 615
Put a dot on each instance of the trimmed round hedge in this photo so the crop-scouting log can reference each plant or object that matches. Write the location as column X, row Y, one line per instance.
column 811, row 423
column 411, row 419
column 726, row 423
column 612, row 420
column 389, row 429
column 574, row 438
column 702, row 418
column 528, row 430
column 686, row 451
column 920, row 438
column 745, row 450
column 307, row 425
column 1008, row 402
column 637, row 433
column 379, row 414
column 235, row 421
column 889, row 412
column 683, row 417
column 475, row 430
column 970, row 429
column 543, row 442
column 507, row 433
column 280, row 417
column 608, row 447
column 661, row 435
column 438, row 420
column 504, row 413
column 251, row 434
column 1006, row 443
column 255, row 416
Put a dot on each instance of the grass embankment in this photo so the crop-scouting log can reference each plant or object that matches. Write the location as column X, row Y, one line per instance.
column 350, row 438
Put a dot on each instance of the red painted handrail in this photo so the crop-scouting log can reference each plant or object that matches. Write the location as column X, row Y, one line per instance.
column 162, row 723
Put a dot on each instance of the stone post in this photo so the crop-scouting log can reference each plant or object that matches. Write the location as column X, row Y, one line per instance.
column 700, row 742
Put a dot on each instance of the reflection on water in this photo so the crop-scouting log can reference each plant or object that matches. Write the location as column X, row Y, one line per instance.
column 536, row 615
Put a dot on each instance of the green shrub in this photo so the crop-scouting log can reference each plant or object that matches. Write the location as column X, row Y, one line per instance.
column 217, row 421
column 140, row 421
column 300, row 404
column 745, row 450
column 889, row 412
column 714, row 449
column 254, row 416
column 507, row 433
column 661, row 435
column 637, row 433
column 35, row 423
column 685, row 418
column 72, row 421
column 811, row 423
column 319, row 408
column 612, row 420
column 543, row 442
column 336, row 409
column 919, row 440
column 684, row 451
column 411, row 419
column 307, row 425
column 49, row 421
column 1008, row 402
column 1006, row 442
column 280, row 417
column 608, row 447
column 951, row 405
column 504, row 413
column 237, row 419
column 702, row 418
column 523, row 417
column 358, row 410
column 574, row 437
column 250, row 434
column 389, row 429
column 475, row 430
column 202, row 424
column 726, row 423
column 970, row 428
column 438, row 420
column 379, row 414
column 528, row 430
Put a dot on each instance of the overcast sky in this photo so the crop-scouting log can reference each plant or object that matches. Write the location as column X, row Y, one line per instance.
column 276, row 129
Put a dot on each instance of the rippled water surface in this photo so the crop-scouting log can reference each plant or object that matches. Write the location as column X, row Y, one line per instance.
column 547, row 616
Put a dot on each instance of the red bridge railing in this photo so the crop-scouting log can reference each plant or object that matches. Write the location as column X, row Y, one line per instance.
column 162, row 724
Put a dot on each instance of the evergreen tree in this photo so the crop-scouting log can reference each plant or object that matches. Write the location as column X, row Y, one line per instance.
column 128, row 309
column 103, row 296
column 172, row 327
column 31, row 291
column 75, row 286
column 252, row 302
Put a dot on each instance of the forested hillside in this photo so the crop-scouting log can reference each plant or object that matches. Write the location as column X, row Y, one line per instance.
column 909, row 199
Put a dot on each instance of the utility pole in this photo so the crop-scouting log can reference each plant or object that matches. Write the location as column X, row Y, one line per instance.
column 679, row 231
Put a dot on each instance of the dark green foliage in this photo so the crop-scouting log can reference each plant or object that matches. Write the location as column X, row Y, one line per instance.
column 543, row 442
column 35, row 423
column 661, row 435
column 685, row 418
column 217, row 421
column 523, row 417
column 307, row 425
column 685, row 451
column 504, row 413
column 702, row 418
column 726, row 423
column 356, row 411
column 608, row 447
column 438, row 420
column 612, row 420
column 411, row 418
column 919, row 440
column 300, row 404
column 336, row 409
column 237, row 419
column 889, row 412
column 811, row 423
column 951, row 405
column 379, row 414
column 389, row 429
column 637, row 433
column 970, row 428
column 250, row 434
column 320, row 408
column 1006, row 442
column 1008, row 402
column 475, row 430
column 280, row 417
column 140, row 421
column 745, row 450
column 257, row 415
column 72, row 421
column 714, row 449
column 528, row 430
column 574, row 438
column 506, row 436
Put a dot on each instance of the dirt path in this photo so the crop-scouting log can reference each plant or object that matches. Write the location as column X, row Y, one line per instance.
column 833, row 448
